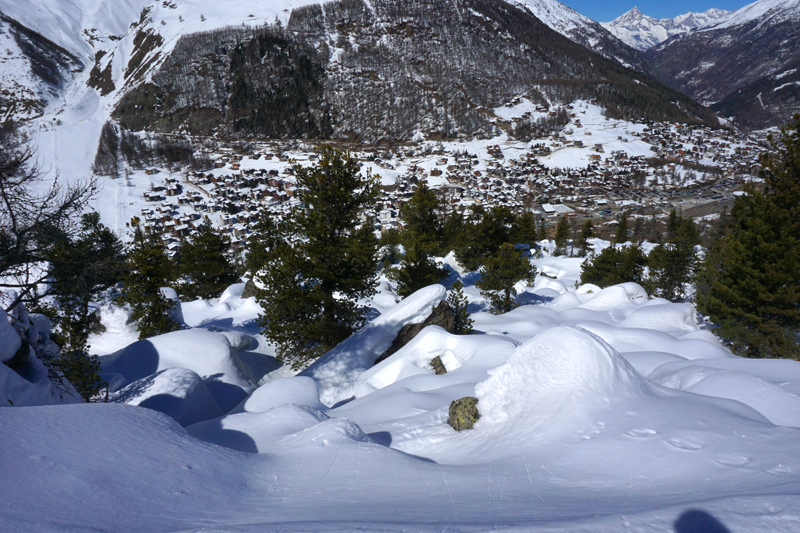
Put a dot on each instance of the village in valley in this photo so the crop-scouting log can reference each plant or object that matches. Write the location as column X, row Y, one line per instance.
column 591, row 168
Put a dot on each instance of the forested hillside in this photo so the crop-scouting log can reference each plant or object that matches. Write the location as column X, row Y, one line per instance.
column 384, row 72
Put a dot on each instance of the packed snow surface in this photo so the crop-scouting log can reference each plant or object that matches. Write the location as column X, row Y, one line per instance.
column 600, row 411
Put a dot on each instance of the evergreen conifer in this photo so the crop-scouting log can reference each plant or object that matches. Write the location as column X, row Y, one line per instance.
column 204, row 266
column 462, row 325
column 622, row 229
column 562, row 235
column 500, row 274
column 422, row 238
column 325, row 263
column 750, row 281
column 615, row 264
column 148, row 268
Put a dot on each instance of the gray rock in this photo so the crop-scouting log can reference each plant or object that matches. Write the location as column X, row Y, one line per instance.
column 438, row 367
column 463, row 413
column 249, row 289
column 442, row 316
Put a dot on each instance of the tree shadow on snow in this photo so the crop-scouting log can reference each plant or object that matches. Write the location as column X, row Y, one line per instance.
column 529, row 298
column 698, row 521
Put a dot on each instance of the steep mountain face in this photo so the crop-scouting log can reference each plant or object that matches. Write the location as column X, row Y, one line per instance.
column 769, row 101
column 742, row 56
column 642, row 32
column 383, row 71
column 585, row 31
column 33, row 71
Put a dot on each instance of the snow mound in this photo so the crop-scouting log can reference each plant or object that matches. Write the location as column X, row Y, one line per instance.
column 208, row 354
column 615, row 297
column 415, row 358
column 336, row 372
column 9, row 340
column 30, row 382
column 177, row 392
column 298, row 390
column 560, row 376
column 233, row 291
column 667, row 317
column 256, row 432
column 771, row 387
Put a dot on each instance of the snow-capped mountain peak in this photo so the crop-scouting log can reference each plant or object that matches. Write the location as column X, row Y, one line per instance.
column 642, row 32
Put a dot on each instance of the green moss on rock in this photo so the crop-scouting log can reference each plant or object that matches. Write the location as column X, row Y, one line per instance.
column 464, row 413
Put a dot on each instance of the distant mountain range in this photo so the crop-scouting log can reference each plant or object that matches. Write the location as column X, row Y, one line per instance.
column 385, row 70
column 745, row 64
column 642, row 32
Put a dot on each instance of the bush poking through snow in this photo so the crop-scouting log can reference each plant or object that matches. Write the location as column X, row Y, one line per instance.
column 463, row 413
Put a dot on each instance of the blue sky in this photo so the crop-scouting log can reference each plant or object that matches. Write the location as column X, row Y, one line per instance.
column 605, row 11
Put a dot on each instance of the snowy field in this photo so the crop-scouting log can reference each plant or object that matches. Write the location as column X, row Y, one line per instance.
column 601, row 411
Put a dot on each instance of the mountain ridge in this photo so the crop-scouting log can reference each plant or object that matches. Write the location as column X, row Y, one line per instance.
column 643, row 32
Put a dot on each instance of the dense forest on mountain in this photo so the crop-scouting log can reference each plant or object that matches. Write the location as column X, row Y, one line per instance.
column 384, row 72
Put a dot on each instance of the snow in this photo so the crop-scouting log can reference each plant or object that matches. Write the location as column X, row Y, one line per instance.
column 643, row 32
column 178, row 392
column 601, row 411
column 336, row 372
column 761, row 9
column 9, row 340
column 208, row 354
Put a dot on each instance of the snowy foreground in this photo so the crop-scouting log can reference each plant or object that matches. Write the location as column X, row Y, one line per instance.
column 601, row 411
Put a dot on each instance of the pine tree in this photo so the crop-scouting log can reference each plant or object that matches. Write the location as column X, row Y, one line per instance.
column 264, row 240
column 582, row 238
column 422, row 238
column 542, row 232
column 81, row 268
column 615, row 264
column 750, row 281
column 485, row 232
column 672, row 264
column 500, row 274
column 524, row 230
column 452, row 231
column 562, row 234
column 462, row 325
column 622, row 229
column 204, row 267
column 148, row 268
column 313, row 285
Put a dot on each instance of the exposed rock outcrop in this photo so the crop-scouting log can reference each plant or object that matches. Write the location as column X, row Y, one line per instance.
column 463, row 413
column 442, row 316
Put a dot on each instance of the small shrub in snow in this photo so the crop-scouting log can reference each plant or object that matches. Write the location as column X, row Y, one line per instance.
column 462, row 323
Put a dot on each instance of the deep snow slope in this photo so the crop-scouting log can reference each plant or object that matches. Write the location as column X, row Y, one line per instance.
column 601, row 411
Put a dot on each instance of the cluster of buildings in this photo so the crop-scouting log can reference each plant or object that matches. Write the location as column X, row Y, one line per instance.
column 686, row 168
